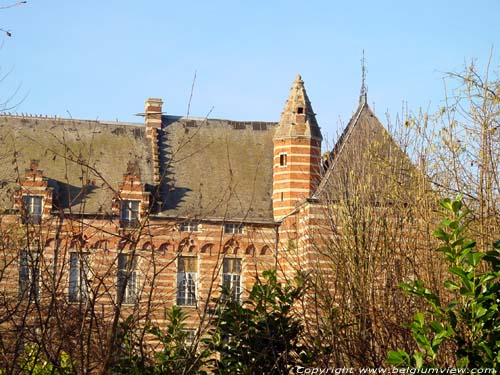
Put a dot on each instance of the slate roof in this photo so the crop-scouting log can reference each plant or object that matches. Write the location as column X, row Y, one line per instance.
column 366, row 160
column 213, row 169
column 217, row 169
column 294, row 123
column 83, row 160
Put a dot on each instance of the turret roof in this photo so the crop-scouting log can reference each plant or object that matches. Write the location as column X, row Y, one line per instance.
column 298, row 118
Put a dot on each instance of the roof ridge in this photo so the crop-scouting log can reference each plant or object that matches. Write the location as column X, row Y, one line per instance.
column 193, row 118
column 66, row 119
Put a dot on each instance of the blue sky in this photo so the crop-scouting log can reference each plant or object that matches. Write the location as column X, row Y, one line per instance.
column 102, row 59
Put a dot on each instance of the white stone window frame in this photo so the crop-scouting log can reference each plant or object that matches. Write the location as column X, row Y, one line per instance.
column 127, row 219
column 131, row 277
column 190, row 335
column 233, row 228
column 187, row 283
column 29, row 276
column 190, row 226
column 33, row 211
column 232, row 279
column 80, row 276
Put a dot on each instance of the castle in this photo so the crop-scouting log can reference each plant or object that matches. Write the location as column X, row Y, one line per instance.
column 134, row 218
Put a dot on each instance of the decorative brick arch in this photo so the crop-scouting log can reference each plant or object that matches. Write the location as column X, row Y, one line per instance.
column 187, row 245
column 148, row 245
column 100, row 245
column 50, row 242
column 232, row 246
column 164, row 247
column 250, row 250
column 207, row 248
column 78, row 241
column 125, row 243
column 265, row 250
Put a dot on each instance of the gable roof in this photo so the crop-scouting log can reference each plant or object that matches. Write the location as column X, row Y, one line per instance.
column 217, row 169
column 84, row 161
column 365, row 156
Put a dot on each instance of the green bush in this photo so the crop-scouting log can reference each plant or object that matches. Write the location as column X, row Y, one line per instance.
column 33, row 362
column 471, row 321
column 175, row 355
column 260, row 335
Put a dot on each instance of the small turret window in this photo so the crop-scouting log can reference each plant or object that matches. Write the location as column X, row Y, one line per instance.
column 300, row 110
column 283, row 160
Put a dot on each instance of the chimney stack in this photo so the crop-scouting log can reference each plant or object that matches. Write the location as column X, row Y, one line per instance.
column 153, row 112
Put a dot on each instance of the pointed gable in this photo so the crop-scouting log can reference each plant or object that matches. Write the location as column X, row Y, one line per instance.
column 366, row 160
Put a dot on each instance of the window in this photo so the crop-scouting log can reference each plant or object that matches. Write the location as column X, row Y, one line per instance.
column 233, row 228
column 231, row 279
column 127, row 278
column 189, row 226
column 186, row 281
column 129, row 213
column 300, row 110
column 283, row 160
column 79, row 275
column 28, row 274
column 32, row 209
column 189, row 336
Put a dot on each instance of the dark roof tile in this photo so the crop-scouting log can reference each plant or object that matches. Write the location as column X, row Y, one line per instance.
column 83, row 160
column 217, row 169
column 366, row 157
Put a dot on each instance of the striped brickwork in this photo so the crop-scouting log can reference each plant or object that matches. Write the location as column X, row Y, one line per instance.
column 153, row 113
column 299, row 177
column 297, row 153
column 35, row 184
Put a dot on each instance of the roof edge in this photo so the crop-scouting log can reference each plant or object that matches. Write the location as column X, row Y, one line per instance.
column 339, row 146
column 67, row 119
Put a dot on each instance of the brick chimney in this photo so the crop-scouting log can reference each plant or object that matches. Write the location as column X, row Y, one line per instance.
column 153, row 112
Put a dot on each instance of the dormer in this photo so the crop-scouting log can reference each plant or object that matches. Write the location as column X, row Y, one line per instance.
column 34, row 198
column 132, row 203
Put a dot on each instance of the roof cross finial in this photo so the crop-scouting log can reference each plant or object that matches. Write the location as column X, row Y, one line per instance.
column 364, row 89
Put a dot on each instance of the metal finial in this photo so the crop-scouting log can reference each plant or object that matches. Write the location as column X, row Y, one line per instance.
column 364, row 89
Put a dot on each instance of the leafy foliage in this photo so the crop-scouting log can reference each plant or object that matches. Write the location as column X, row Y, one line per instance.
column 471, row 321
column 128, row 357
column 261, row 335
column 34, row 363
column 176, row 355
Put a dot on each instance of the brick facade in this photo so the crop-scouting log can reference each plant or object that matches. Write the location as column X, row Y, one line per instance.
column 144, row 229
